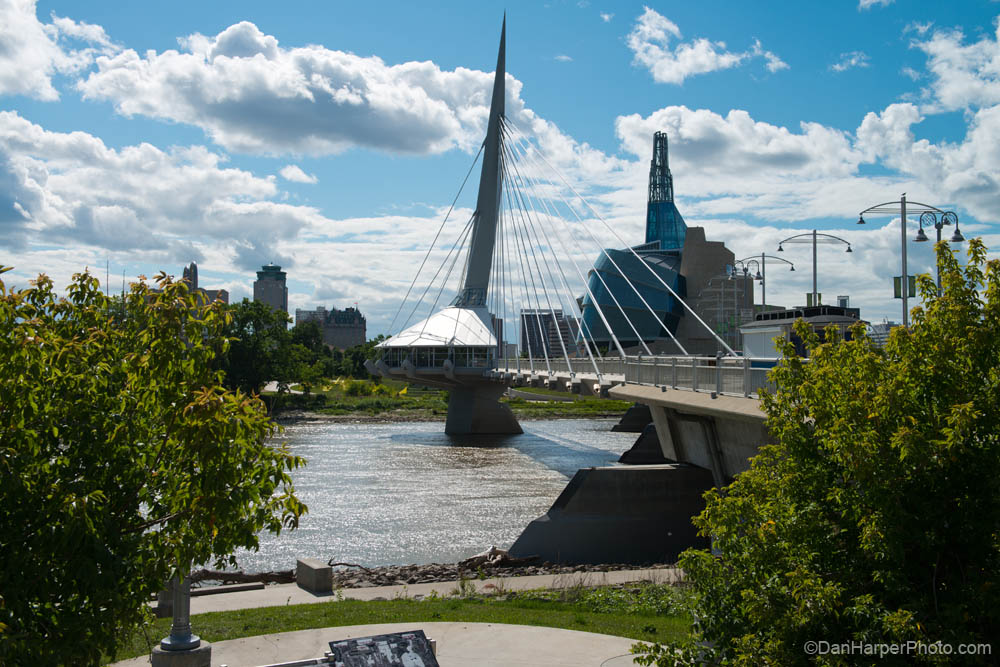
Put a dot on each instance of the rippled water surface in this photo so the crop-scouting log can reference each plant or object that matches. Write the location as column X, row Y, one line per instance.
column 381, row 494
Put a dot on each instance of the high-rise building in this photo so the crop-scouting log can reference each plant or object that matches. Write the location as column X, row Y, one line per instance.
column 535, row 331
column 191, row 278
column 341, row 328
column 548, row 333
column 270, row 287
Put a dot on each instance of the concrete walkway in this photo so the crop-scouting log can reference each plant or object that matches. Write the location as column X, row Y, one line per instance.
column 458, row 644
column 285, row 594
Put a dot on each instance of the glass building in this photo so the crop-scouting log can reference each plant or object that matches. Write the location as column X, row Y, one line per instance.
column 660, row 254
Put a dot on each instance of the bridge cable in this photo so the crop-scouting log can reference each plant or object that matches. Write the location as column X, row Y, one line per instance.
column 571, row 300
column 525, row 220
column 630, row 249
column 444, row 282
column 522, row 257
column 447, row 215
column 599, row 275
column 459, row 243
column 578, row 271
column 597, row 305
column 543, row 333
column 524, row 318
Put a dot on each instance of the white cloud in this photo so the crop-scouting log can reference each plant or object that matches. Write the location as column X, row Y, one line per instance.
column 607, row 16
column 31, row 52
column 911, row 73
column 70, row 189
column 650, row 41
column 917, row 27
column 868, row 4
column 732, row 165
column 966, row 172
column 850, row 60
column 294, row 173
column 252, row 95
column 964, row 75
column 563, row 58
column 774, row 63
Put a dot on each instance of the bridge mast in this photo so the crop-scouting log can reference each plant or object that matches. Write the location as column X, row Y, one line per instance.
column 484, row 228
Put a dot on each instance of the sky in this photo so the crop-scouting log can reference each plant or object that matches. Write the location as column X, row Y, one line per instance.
column 331, row 138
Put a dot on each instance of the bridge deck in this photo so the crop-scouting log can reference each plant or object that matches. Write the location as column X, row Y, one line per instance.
column 722, row 376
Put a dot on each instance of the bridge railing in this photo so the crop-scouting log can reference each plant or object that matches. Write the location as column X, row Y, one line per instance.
column 606, row 366
column 734, row 376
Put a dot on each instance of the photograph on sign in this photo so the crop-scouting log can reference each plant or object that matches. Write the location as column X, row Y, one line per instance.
column 396, row 649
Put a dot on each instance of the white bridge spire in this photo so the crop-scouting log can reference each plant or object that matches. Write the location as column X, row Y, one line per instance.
column 484, row 228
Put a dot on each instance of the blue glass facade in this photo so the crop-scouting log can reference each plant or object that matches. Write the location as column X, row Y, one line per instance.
column 665, row 224
column 665, row 234
column 606, row 280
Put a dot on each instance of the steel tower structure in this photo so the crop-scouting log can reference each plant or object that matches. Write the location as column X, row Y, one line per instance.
column 663, row 221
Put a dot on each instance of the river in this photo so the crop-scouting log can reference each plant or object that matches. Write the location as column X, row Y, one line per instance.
column 402, row 493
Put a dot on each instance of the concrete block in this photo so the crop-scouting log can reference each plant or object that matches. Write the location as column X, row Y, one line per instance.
column 314, row 575
column 628, row 514
column 194, row 657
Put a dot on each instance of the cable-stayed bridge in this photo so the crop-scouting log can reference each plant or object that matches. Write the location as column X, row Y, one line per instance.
column 621, row 326
column 522, row 262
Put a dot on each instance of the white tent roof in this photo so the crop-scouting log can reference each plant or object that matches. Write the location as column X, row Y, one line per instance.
column 459, row 327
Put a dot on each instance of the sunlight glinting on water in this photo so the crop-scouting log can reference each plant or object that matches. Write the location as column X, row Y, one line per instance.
column 383, row 494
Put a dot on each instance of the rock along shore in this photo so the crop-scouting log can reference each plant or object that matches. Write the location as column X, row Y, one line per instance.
column 357, row 576
column 397, row 575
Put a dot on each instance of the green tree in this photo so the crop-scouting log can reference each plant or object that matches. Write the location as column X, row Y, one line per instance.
column 352, row 361
column 309, row 334
column 259, row 347
column 122, row 463
column 875, row 516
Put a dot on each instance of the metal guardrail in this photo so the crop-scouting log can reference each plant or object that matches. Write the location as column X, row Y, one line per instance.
column 731, row 376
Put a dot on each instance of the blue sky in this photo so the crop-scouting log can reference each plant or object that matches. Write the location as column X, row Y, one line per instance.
column 331, row 137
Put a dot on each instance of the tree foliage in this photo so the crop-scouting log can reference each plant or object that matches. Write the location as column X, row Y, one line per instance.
column 875, row 516
column 122, row 462
column 263, row 349
column 259, row 347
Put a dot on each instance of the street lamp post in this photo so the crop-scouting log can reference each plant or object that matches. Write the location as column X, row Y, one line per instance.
column 946, row 218
column 762, row 263
column 814, row 237
column 745, row 264
column 930, row 218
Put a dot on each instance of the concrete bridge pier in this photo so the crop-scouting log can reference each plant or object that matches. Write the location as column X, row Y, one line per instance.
column 642, row 513
column 474, row 409
column 720, row 434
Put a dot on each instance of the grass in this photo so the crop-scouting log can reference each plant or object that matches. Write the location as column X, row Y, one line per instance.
column 648, row 612
column 585, row 407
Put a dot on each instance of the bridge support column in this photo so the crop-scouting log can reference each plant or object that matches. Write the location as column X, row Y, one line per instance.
column 475, row 410
column 664, row 434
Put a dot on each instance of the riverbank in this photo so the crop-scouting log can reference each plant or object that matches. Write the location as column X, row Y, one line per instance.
column 402, row 417
column 363, row 401
column 347, row 576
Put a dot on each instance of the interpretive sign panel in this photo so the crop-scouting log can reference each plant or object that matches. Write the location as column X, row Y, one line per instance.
column 396, row 649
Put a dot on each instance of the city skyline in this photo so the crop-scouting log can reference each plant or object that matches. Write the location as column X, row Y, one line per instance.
column 150, row 139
